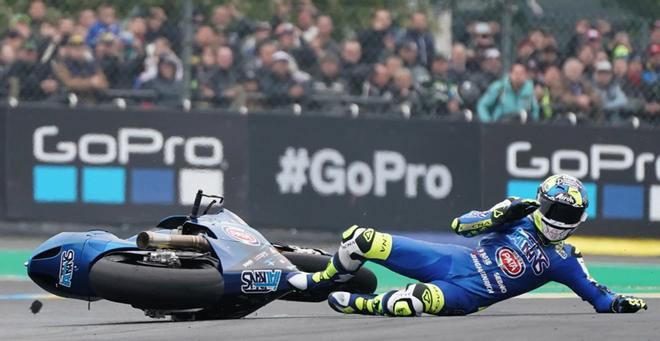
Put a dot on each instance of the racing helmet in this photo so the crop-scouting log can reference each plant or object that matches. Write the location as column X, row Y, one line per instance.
column 563, row 202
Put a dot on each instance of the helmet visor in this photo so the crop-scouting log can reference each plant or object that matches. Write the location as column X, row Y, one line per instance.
column 555, row 233
column 562, row 213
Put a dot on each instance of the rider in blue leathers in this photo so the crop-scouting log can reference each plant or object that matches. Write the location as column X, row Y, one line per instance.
column 523, row 249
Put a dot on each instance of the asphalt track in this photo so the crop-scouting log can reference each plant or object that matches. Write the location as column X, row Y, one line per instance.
column 516, row 319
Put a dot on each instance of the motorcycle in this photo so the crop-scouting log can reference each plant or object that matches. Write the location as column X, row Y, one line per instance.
column 190, row 267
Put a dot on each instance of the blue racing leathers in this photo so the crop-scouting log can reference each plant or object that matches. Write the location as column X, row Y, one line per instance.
column 511, row 259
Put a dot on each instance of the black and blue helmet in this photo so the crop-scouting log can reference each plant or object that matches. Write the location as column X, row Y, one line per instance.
column 563, row 199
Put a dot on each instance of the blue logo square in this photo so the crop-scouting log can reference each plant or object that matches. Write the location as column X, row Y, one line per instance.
column 103, row 185
column 55, row 183
column 152, row 186
column 623, row 202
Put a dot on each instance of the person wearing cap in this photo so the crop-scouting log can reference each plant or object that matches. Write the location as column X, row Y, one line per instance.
column 290, row 42
column 21, row 23
column 279, row 86
column 29, row 79
column 612, row 96
column 490, row 68
column 509, row 97
column 78, row 72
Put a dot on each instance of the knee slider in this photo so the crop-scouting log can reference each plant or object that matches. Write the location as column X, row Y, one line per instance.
column 414, row 300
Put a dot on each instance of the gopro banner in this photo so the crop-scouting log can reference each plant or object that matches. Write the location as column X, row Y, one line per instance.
column 330, row 173
column 619, row 167
column 120, row 166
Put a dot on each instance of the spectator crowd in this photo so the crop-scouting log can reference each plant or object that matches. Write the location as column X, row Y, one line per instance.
column 295, row 59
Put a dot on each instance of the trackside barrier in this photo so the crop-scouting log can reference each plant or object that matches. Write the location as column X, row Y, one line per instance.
column 313, row 172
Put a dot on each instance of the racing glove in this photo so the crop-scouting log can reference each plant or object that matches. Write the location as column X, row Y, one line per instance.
column 507, row 211
column 628, row 304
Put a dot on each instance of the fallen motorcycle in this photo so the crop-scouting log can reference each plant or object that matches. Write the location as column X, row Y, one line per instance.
column 190, row 267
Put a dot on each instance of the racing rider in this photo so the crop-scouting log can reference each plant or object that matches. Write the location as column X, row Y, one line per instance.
column 523, row 248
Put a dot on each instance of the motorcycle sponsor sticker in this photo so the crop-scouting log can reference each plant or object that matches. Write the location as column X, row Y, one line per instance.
column 510, row 262
column 241, row 235
column 66, row 268
column 260, row 281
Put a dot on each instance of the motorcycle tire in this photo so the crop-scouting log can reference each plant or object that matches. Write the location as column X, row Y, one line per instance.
column 153, row 287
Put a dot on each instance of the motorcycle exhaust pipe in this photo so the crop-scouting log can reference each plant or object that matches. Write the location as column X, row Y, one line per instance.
column 147, row 240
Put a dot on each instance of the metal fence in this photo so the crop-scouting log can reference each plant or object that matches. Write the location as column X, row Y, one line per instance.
column 592, row 61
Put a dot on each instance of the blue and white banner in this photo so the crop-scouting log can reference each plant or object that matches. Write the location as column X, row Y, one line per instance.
column 619, row 167
column 120, row 166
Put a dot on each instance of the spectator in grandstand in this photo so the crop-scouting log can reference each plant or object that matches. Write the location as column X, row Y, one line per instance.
column 537, row 38
column 352, row 69
column 37, row 14
column 29, row 79
column 307, row 24
column 227, row 19
column 409, row 55
column 323, row 43
column 249, row 47
column 490, row 69
column 458, row 72
column 379, row 38
column 106, row 23
column 577, row 94
column 159, row 26
column 203, row 71
column 160, row 48
column 418, row 33
column 87, row 18
column 279, row 86
column 510, row 98
column 78, row 74
column 620, row 46
column 290, row 42
column 548, row 57
column 21, row 23
column 121, row 68
column 547, row 93
column 440, row 93
column 329, row 81
column 328, row 86
column 527, row 55
column 587, row 56
column 482, row 36
column 223, row 86
column 651, row 83
column 378, row 84
column 406, row 99
column 167, row 87
column 611, row 95
column 578, row 37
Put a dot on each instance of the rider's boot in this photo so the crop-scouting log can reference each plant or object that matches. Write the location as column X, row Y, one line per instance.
column 414, row 300
column 358, row 245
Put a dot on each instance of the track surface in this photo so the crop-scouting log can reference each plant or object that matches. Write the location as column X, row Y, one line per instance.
column 538, row 319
